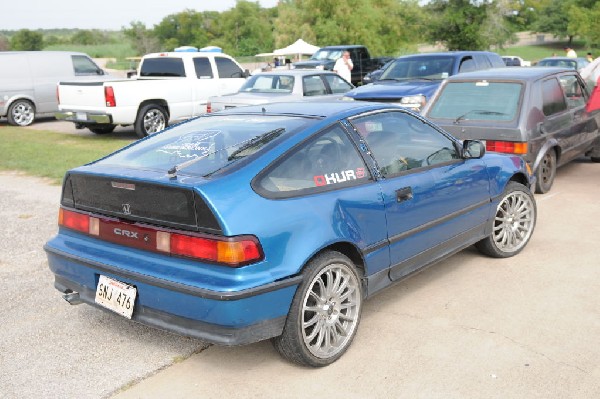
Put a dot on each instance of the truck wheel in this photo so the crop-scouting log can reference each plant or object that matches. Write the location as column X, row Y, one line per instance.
column 21, row 113
column 150, row 119
column 102, row 129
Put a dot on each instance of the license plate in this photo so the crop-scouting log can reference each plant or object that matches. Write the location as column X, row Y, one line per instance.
column 116, row 296
column 81, row 116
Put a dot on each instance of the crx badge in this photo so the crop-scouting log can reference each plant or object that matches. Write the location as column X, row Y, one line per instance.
column 127, row 209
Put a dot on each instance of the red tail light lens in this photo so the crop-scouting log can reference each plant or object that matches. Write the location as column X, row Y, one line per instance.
column 109, row 96
column 230, row 251
column 208, row 107
column 507, row 147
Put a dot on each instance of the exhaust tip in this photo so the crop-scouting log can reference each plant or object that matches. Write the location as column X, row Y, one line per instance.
column 73, row 298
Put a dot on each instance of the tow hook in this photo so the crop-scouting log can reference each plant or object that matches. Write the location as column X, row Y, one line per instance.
column 73, row 298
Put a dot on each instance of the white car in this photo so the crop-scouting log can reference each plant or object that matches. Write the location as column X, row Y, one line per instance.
column 513, row 60
column 283, row 86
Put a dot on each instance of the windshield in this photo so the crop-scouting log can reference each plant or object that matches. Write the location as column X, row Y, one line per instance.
column 480, row 100
column 207, row 144
column 572, row 64
column 332, row 55
column 268, row 84
column 434, row 68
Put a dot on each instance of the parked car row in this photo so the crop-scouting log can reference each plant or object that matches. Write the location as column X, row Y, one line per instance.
column 278, row 220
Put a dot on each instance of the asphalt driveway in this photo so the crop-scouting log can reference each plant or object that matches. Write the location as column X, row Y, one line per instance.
column 468, row 327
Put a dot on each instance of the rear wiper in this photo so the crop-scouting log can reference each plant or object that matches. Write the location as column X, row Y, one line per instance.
column 258, row 140
column 477, row 111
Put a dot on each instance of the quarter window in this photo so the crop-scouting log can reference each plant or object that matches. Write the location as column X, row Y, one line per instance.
column 573, row 91
column 327, row 162
column 84, row 66
column 400, row 142
column 228, row 69
column 163, row 67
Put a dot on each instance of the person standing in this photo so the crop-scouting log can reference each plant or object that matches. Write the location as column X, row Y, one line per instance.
column 570, row 52
column 589, row 57
column 343, row 66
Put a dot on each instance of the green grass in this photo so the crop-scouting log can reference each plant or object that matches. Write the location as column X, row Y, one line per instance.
column 535, row 53
column 110, row 50
column 49, row 154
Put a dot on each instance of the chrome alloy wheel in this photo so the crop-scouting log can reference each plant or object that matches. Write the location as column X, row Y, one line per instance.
column 514, row 221
column 154, row 121
column 331, row 310
column 22, row 113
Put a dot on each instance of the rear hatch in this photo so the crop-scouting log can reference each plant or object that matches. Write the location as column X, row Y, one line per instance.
column 179, row 207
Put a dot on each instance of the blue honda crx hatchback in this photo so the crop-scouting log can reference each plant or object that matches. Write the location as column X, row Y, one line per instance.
column 278, row 221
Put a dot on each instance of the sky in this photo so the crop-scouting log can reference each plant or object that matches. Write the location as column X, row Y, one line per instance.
column 105, row 14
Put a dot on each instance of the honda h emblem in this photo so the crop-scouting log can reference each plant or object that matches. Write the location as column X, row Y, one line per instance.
column 127, row 209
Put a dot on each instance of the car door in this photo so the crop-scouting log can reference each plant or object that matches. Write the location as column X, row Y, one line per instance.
column 584, row 128
column 205, row 86
column 556, row 128
column 435, row 201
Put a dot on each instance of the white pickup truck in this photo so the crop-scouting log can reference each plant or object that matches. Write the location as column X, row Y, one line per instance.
column 170, row 87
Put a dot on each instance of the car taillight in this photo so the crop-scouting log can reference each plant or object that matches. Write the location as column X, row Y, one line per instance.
column 208, row 107
column 230, row 251
column 109, row 96
column 508, row 147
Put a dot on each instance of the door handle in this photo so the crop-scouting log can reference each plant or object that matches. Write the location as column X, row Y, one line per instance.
column 404, row 194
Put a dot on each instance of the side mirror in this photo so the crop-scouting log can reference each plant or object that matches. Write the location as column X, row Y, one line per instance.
column 473, row 149
column 246, row 73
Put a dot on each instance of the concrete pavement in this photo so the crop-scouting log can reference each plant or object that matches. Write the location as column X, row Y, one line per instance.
column 468, row 327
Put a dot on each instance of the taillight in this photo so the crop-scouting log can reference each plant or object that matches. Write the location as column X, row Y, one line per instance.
column 508, row 147
column 109, row 96
column 208, row 107
column 230, row 251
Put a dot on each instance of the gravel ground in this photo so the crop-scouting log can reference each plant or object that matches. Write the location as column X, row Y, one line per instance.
column 49, row 349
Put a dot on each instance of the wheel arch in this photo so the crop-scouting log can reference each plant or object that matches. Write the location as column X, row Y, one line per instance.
column 550, row 145
column 156, row 101
column 345, row 248
column 16, row 98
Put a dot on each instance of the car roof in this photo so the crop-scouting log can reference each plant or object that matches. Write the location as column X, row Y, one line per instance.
column 321, row 109
column 444, row 53
column 525, row 74
column 296, row 72
column 342, row 47
column 562, row 58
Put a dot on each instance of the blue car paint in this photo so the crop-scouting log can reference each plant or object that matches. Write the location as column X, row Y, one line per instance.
column 387, row 90
column 235, row 298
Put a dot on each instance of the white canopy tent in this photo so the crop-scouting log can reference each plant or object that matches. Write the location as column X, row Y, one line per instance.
column 299, row 48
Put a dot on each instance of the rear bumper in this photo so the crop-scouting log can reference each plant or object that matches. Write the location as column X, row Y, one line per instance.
column 223, row 318
column 84, row 117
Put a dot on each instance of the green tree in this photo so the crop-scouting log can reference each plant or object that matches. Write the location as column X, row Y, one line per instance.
column 143, row 40
column 470, row 24
column 385, row 26
column 187, row 28
column 246, row 29
column 553, row 17
column 26, row 40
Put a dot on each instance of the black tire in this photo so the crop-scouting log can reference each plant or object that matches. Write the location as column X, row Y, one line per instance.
column 324, row 314
column 21, row 113
column 546, row 172
column 151, row 118
column 102, row 129
column 513, row 223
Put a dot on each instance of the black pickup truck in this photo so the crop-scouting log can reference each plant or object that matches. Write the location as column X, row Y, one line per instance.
column 326, row 57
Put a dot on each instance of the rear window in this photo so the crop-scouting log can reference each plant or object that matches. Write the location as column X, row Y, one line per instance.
column 162, row 67
column 429, row 67
column 268, row 84
column 207, row 144
column 480, row 100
